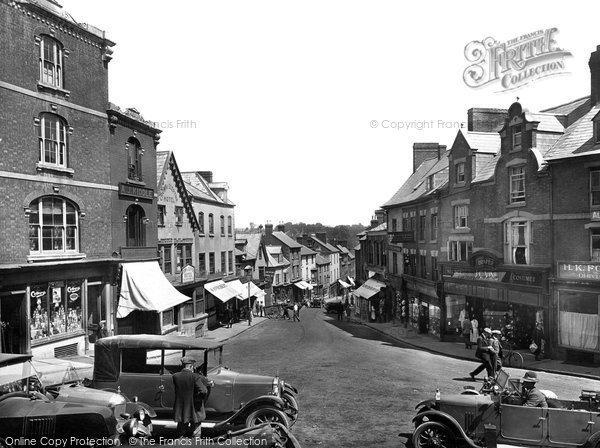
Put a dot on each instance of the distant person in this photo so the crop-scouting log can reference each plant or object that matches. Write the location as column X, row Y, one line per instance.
column 296, row 312
column 102, row 331
column 340, row 310
column 286, row 313
column 497, row 349
column 538, row 337
column 466, row 332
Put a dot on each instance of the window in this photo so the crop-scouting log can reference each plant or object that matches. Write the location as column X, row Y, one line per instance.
column 434, row 269
column 394, row 224
column 394, row 263
column 277, row 279
column 460, row 172
column 460, row 250
column 595, row 244
column 223, row 262
column 595, row 187
column 517, row 241
column 52, row 138
column 461, row 216
column 201, row 221
column 231, row 261
column 516, row 137
column 517, row 184
column 184, row 256
column 410, row 264
column 434, row 226
column 202, row 263
column 430, row 182
column 53, row 226
column 423, row 266
column 135, row 226
column 178, row 216
column 134, row 159
column 405, row 223
column 422, row 221
column 413, row 223
column 229, row 226
column 222, row 225
column 51, row 62
column 211, row 262
column 162, row 211
column 55, row 309
column 211, row 224
column 165, row 258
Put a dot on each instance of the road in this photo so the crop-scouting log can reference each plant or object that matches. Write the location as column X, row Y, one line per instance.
column 357, row 387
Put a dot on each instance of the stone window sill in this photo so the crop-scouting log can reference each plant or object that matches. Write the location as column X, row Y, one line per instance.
column 56, row 90
column 54, row 256
column 136, row 182
column 517, row 205
column 41, row 166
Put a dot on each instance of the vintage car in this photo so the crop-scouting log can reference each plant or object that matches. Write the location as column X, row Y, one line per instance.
column 141, row 368
column 331, row 305
column 30, row 411
column 497, row 416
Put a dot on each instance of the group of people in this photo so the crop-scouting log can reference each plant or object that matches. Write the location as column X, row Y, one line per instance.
column 489, row 351
column 295, row 309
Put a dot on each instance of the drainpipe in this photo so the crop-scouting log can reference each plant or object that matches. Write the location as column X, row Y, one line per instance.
column 551, row 307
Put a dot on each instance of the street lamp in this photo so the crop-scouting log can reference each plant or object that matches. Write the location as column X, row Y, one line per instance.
column 248, row 270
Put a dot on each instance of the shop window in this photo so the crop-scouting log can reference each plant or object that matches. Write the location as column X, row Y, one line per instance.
column 578, row 320
column 178, row 216
column 459, row 250
column 162, row 211
column 188, row 309
column 184, row 256
column 595, row 244
column 595, row 187
column 201, row 222
column 135, row 226
column 517, row 137
column 461, row 216
column 229, row 226
column 434, row 226
column 211, row 224
column 51, row 62
column 55, row 309
column 231, row 261
column 202, row 263
column 517, row 184
column 134, row 159
column 223, row 262
column 211, row 262
column 53, row 141
column 517, row 241
column 222, row 225
column 53, row 226
column 165, row 258
column 459, row 170
column 168, row 318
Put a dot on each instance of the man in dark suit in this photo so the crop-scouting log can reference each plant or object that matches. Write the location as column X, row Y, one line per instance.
column 485, row 353
column 190, row 390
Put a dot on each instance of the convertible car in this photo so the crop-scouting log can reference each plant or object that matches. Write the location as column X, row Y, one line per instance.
column 475, row 419
column 141, row 367
column 29, row 410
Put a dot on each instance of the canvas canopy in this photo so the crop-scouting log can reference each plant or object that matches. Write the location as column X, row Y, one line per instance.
column 369, row 288
column 222, row 291
column 242, row 289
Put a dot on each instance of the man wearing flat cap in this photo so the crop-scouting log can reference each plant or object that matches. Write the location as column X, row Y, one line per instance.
column 532, row 396
column 190, row 388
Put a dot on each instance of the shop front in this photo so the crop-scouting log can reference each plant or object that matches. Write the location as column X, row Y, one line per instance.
column 423, row 305
column 225, row 299
column 369, row 301
column 576, row 297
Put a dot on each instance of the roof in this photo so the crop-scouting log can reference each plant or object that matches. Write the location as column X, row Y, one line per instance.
column 381, row 227
column 199, row 188
column 485, row 166
column 306, row 251
column 238, row 253
column 274, row 249
column 343, row 249
column 578, row 140
column 322, row 260
column 7, row 358
column 573, row 110
column 252, row 244
column 415, row 186
column 357, row 247
column 547, row 122
column 286, row 240
column 327, row 246
column 488, row 142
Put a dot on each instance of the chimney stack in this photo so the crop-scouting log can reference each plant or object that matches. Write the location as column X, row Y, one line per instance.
column 594, row 64
column 281, row 227
column 483, row 119
column 426, row 151
column 268, row 229
column 322, row 236
column 206, row 175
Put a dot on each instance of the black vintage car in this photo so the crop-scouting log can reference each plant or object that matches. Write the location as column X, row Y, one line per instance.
column 141, row 368
column 28, row 411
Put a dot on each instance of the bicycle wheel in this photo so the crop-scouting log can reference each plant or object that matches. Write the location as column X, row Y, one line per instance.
column 515, row 360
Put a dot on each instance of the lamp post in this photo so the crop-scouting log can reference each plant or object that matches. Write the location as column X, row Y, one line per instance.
column 248, row 270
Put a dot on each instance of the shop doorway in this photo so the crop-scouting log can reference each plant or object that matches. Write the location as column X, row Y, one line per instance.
column 12, row 324
column 424, row 318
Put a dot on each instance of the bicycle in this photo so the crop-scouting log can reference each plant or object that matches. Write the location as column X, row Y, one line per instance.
column 511, row 357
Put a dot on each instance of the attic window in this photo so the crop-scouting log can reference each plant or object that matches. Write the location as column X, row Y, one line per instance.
column 430, row 183
column 517, row 134
column 460, row 172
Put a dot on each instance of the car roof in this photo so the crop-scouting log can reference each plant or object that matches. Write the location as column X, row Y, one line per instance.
column 157, row 341
column 8, row 358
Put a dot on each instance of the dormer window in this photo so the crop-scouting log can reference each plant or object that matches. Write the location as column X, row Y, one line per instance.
column 517, row 137
column 460, row 172
column 430, row 183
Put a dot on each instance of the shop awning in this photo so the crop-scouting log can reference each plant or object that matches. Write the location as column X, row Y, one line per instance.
column 309, row 286
column 144, row 287
column 351, row 280
column 242, row 289
column 344, row 284
column 221, row 290
column 369, row 288
column 301, row 284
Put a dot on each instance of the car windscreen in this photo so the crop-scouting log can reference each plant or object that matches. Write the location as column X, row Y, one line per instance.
column 18, row 377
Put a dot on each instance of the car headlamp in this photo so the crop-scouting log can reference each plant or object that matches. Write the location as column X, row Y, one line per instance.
column 276, row 387
column 116, row 400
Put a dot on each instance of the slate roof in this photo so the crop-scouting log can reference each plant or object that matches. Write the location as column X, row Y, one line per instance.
column 321, row 260
column 200, row 189
column 305, row 251
column 485, row 165
column 289, row 242
column 578, row 140
column 547, row 122
column 572, row 110
column 252, row 244
column 328, row 246
column 343, row 249
column 483, row 142
column 381, row 227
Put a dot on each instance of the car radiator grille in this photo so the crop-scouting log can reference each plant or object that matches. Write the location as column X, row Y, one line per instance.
column 40, row 427
column 468, row 420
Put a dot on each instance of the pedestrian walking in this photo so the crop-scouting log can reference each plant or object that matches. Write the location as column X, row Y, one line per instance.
column 484, row 353
column 262, row 310
column 296, row 312
column 347, row 310
column 466, row 332
column 340, row 311
column 286, row 313
column 190, row 389
column 228, row 317
column 474, row 331
column 497, row 349
column 538, row 338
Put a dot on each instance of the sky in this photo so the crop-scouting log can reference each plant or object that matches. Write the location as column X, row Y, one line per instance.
column 279, row 99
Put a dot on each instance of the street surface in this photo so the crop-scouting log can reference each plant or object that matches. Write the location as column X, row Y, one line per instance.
column 357, row 388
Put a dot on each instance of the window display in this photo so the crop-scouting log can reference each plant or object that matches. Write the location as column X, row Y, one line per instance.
column 578, row 320
column 455, row 312
column 55, row 309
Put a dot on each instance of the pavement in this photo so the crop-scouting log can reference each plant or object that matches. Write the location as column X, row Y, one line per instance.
column 457, row 350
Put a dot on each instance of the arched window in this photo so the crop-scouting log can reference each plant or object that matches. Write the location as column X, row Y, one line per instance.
column 52, row 136
column 211, row 224
column 136, row 229
column 134, row 159
column 201, row 221
column 51, row 62
column 53, row 226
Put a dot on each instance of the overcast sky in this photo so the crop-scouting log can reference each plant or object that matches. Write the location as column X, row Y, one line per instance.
column 277, row 98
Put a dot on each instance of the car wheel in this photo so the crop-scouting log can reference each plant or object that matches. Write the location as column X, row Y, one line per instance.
column 292, row 412
column 267, row 415
column 433, row 435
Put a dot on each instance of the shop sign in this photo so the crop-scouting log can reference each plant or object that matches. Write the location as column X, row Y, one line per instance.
column 526, row 278
column 407, row 236
column 489, row 276
column 73, row 292
column 596, row 215
column 579, row 271
column 484, row 261
column 135, row 191
column 187, row 274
